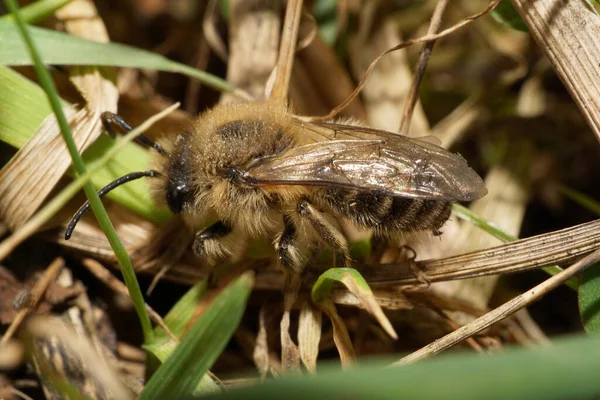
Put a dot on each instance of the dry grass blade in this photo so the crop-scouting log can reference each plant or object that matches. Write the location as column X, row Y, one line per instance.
column 260, row 355
column 309, row 336
column 290, row 356
column 211, row 33
column 455, row 124
column 423, row 39
column 44, row 159
column 503, row 311
column 340, row 333
column 254, row 28
column 505, row 205
column 34, row 297
column 568, row 32
column 368, row 301
column 24, row 183
column 320, row 81
column 287, row 50
column 413, row 93
column 54, row 205
column 385, row 91
column 390, row 299
column 104, row 275
column 555, row 248
column 11, row 355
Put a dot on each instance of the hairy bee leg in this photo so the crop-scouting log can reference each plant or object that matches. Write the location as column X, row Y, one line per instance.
column 209, row 244
column 326, row 227
column 288, row 250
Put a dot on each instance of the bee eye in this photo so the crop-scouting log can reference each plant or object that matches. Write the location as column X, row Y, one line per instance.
column 177, row 195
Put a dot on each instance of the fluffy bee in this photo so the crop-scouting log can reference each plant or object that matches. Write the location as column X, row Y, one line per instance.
column 257, row 170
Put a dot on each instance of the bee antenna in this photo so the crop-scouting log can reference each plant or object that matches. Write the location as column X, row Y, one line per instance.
column 108, row 118
column 112, row 185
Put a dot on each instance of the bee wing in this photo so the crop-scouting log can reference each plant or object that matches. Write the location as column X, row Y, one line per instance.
column 368, row 159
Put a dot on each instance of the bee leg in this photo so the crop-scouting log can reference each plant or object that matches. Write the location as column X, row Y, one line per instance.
column 108, row 119
column 208, row 243
column 421, row 275
column 326, row 227
column 286, row 244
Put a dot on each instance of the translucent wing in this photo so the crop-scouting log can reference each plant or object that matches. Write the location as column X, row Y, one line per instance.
column 368, row 159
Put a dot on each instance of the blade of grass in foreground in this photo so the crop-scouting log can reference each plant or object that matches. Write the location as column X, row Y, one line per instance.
column 566, row 370
column 97, row 207
column 181, row 373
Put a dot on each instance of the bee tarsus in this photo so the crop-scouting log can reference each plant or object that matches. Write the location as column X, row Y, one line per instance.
column 207, row 242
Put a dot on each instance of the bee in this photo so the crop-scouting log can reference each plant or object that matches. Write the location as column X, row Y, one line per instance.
column 256, row 170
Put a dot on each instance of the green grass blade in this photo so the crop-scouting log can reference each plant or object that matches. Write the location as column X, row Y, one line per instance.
column 506, row 13
column 322, row 288
column 177, row 319
column 183, row 370
column 23, row 107
column 62, row 49
column 97, row 207
column 566, row 370
column 589, row 299
column 583, row 200
column 179, row 315
column 37, row 11
column 589, row 286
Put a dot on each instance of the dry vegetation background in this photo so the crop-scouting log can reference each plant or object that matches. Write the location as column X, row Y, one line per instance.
column 487, row 91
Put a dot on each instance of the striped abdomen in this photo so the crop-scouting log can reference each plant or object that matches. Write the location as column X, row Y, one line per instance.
column 387, row 214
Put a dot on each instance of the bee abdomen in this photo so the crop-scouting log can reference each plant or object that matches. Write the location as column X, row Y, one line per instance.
column 366, row 209
column 409, row 215
column 386, row 214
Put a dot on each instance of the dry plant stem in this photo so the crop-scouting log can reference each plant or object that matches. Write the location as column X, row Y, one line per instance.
column 211, row 33
column 568, row 32
column 290, row 356
column 254, row 31
column 413, row 93
column 503, row 311
column 287, row 50
column 423, row 39
column 36, row 293
column 22, row 395
column 558, row 247
column 104, row 275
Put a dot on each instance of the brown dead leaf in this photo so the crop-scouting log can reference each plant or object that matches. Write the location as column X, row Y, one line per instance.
column 340, row 333
column 254, row 30
column 309, row 336
column 261, row 347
